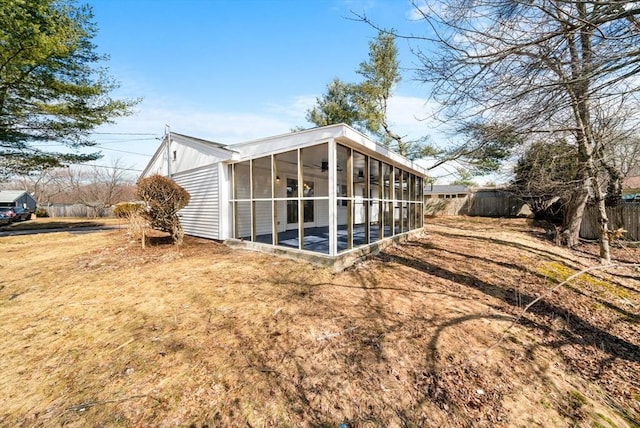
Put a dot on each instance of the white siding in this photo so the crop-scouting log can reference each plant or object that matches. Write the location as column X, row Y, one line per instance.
column 201, row 217
column 263, row 218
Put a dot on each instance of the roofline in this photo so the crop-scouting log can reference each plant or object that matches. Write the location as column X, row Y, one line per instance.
column 196, row 140
column 201, row 140
column 348, row 133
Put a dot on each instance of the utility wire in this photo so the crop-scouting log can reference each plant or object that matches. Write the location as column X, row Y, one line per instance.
column 107, row 167
column 124, row 133
column 123, row 151
column 125, row 141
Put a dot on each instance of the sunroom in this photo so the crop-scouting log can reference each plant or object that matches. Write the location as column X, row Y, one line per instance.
column 327, row 191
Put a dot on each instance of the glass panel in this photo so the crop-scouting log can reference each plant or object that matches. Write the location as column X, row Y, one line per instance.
column 386, row 180
column 359, row 223
column 397, row 217
column 405, row 185
column 412, row 216
column 263, row 221
column 342, row 158
column 397, row 177
column 419, row 190
column 242, row 180
column 359, row 176
column 374, row 178
column 387, row 218
column 292, row 187
column 292, row 206
column 405, row 216
column 374, row 220
column 315, row 167
column 286, row 167
column 316, row 238
column 412, row 187
column 307, row 207
column 262, row 184
column 243, row 220
column 292, row 212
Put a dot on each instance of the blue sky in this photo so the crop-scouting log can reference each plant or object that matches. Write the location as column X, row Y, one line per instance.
column 232, row 71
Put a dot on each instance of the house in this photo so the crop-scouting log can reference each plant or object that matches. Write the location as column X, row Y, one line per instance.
column 631, row 183
column 445, row 199
column 326, row 192
column 451, row 191
column 17, row 198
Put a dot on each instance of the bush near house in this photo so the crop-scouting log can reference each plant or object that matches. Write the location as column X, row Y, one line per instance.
column 163, row 198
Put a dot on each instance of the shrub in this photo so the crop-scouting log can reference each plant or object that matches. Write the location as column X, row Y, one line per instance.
column 163, row 198
column 127, row 209
column 41, row 212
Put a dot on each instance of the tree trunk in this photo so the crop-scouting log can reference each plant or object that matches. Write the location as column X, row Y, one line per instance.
column 570, row 233
column 177, row 233
column 603, row 221
column 605, row 251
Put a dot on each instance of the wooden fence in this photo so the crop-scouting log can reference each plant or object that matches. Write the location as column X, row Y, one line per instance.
column 494, row 203
column 76, row 210
column 626, row 216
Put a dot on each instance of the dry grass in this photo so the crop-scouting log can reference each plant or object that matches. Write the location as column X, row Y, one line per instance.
column 98, row 332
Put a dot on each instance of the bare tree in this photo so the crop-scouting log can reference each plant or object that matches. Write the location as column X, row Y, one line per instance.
column 97, row 187
column 542, row 66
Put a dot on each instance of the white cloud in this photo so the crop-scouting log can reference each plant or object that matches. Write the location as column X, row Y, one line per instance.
column 410, row 116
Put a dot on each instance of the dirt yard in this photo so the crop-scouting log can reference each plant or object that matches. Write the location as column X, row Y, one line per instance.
column 98, row 332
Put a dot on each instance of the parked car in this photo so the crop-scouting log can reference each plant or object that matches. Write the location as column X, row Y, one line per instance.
column 21, row 214
column 15, row 213
column 8, row 213
column 5, row 218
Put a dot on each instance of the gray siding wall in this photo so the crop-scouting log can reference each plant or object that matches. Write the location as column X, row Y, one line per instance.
column 201, row 217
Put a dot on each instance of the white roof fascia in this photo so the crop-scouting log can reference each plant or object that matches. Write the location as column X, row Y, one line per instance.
column 204, row 146
column 372, row 147
column 285, row 142
column 339, row 132
column 155, row 156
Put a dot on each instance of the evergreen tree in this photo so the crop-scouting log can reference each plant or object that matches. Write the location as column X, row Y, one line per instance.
column 51, row 87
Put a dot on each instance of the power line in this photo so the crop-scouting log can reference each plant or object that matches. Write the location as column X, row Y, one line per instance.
column 124, row 133
column 123, row 151
column 107, row 167
column 125, row 141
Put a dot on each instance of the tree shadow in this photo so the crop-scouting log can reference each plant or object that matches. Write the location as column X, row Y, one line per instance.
column 583, row 333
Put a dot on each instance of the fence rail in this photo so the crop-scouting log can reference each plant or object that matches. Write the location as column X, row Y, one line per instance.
column 626, row 216
column 502, row 204
column 76, row 210
column 481, row 204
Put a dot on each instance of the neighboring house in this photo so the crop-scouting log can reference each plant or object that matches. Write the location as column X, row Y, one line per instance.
column 445, row 199
column 450, row 191
column 17, row 198
column 632, row 183
column 326, row 191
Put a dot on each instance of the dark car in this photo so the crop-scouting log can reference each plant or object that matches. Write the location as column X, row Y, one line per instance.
column 7, row 213
column 21, row 214
column 5, row 218
column 15, row 214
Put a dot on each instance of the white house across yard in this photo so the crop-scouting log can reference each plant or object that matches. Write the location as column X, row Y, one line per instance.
column 326, row 192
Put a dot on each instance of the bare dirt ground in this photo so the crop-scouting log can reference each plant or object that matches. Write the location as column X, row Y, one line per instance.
column 98, row 332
